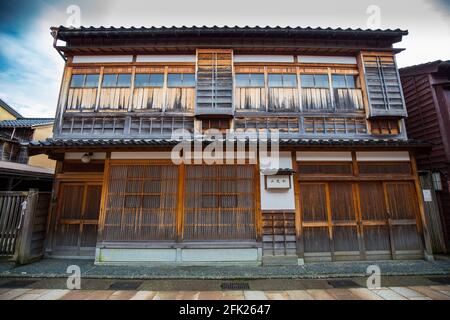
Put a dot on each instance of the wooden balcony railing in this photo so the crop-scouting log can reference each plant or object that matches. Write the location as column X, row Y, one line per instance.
column 160, row 125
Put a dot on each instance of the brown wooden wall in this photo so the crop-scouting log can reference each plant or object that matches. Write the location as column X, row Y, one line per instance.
column 358, row 211
column 429, row 121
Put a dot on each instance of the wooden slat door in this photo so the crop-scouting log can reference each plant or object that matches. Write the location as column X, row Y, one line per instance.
column 403, row 212
column 316, row 232
column 329, row 218
column 374, row 220
column 344, row 221
column 77, row 218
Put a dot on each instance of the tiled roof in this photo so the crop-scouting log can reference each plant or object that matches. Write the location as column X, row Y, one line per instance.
column 65, row 32
column 427, row 67
column 50, row 143
column 25, row 122
column 19, row 169
column 8, row 108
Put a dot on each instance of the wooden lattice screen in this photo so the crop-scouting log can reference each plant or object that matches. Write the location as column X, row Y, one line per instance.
column 77, row 216
column 219, row 202
column 141, row 202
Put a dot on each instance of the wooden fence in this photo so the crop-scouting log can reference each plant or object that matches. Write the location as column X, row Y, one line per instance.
column 11, row 206
column 23, row 223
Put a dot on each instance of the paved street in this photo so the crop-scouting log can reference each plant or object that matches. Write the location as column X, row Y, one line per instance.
column 393, row 288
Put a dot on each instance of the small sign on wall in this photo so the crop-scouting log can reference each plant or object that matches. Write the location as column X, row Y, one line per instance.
column 278, row 181
column 427, row 195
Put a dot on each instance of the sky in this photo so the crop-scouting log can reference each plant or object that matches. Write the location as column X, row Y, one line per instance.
column 31, row 70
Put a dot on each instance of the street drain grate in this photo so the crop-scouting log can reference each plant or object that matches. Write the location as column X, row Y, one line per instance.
column 343, row 283
column 235, row 286
column 440, row 280
column 124, row 285
column 17, row 284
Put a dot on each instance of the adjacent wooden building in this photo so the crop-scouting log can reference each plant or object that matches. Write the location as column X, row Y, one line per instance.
column 427, row 94
column 346, row 185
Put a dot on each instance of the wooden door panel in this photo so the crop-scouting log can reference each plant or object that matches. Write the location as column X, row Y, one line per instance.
column 345, row 238
column 72, row 205
column 402, row 200
column 92, row 206
column 376, row 238
column 316, row 239
column 373, row 206
column 374, row 220
column 77, row 216
column 313, row 202
column 403, row 213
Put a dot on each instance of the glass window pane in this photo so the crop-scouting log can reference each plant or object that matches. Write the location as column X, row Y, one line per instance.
column 289, row 80
column 242, row 79
column 156, row 80
column 174, row 80
column 338, row 81
column 77, row 80
column 275, row 80
column 124, row 80
column 109, row 80
column 92, row 80
column 141, row 80
column 351, row 82
column 307, row 80
column 321, row 80
column 188, row 80
column 257, row 80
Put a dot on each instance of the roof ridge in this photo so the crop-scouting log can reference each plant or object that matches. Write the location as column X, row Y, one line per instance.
column 224, row 27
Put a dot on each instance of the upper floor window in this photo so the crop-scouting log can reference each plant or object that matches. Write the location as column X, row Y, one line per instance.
column 149, row 80
column 282, row 80
column 179, row 80
column 314, row 81
column 343, row 81
column 113, row 80
column 84, row 81
column 255, row 80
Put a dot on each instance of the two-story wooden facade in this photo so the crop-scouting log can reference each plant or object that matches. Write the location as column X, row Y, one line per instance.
column 346, row 188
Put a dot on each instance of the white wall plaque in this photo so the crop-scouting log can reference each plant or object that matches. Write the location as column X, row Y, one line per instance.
column 278, row 182
column 427, row 195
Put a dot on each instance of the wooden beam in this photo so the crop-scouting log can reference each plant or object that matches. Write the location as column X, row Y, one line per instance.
column 423, row 220
column 104, row 199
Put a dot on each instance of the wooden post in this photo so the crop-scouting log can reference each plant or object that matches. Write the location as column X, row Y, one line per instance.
column 426, row 234
column 298, row 222
column 180, row 203
column 23, row 248
column 52, row 212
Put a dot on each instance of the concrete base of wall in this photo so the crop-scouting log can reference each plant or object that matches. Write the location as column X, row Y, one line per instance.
column 179, row 256
column 280, row 260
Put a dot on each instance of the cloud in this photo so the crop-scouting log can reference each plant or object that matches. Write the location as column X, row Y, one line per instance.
column 31, row 70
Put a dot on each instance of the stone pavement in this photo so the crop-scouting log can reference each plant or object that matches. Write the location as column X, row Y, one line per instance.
column 392, row 288
column 386, row 293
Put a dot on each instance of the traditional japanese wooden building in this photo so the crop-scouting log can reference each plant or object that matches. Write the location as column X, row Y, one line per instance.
column 427, row 95
column 346, row 187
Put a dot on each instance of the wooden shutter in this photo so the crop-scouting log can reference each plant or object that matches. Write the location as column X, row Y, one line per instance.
column 383, row 86
column 141, row 202
column 219, row 202
column 214, row 90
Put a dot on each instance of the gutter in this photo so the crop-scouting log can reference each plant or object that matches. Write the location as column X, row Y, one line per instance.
column 54, row 33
